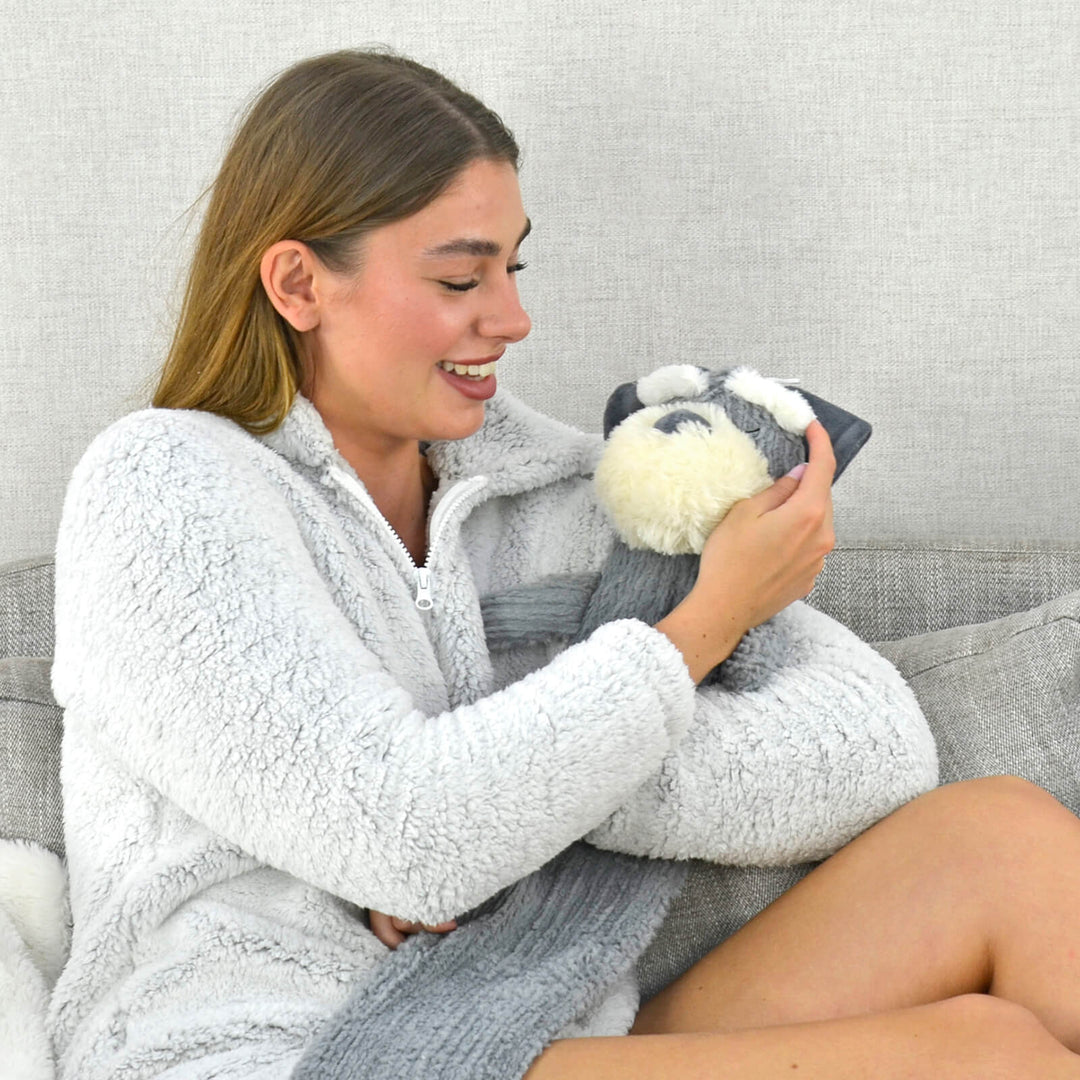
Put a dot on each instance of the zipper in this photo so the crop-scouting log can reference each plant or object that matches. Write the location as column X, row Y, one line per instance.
column 421, row 575
column 423, row 589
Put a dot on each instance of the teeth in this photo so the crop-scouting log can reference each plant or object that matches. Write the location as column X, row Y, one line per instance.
column 473, row 371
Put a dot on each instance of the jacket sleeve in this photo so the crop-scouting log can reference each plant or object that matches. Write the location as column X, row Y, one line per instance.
column 790, row 772
column 198, row 643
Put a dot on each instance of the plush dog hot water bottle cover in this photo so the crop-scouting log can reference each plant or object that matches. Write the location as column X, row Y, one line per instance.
column 683, row 445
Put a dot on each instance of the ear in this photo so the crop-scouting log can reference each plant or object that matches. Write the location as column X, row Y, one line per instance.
column 622, row 402
column 289, row 271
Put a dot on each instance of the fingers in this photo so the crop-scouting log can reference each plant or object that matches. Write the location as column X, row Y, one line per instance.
column 816, row 482
column 382, row 927
column 812, row 481
column 776, row 494
column 406, row 927
column 392, row 931
column 821, row 468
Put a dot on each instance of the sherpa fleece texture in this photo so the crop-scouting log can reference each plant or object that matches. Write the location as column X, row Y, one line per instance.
column 264, row 734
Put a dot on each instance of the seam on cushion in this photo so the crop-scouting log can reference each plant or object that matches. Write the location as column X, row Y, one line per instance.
column 991, row 646
column 50, row 703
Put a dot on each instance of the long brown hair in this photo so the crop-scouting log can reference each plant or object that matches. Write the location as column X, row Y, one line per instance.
column 336, row 146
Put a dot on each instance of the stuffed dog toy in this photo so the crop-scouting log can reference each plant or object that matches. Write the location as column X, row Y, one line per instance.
column 683, row 445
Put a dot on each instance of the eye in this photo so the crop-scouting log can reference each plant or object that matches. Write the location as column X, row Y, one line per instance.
column 466, row 286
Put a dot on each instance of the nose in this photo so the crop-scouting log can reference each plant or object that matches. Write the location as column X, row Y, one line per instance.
column 506, row 319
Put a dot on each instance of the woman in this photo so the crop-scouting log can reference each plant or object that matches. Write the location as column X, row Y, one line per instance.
column 281, row 710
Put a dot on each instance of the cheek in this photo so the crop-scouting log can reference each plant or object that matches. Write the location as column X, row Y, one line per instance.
column 430, row 328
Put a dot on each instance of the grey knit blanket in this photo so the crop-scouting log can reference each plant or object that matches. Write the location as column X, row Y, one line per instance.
column 483, row 1001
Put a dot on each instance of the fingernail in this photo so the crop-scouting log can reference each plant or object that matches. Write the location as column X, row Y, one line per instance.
column 796, row 473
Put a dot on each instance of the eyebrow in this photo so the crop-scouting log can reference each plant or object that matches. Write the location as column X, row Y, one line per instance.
column 467, row 245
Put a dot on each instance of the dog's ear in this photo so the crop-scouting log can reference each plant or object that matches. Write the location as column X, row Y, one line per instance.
column 622, row 402
column 847, row 431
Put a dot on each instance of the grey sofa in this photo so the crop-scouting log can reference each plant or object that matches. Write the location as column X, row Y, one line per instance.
column 1002, row 692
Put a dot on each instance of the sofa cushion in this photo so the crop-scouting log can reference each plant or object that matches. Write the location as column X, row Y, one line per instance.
column 1001, row 697
column 30, row 730
column 26, row 607
column 880, row 591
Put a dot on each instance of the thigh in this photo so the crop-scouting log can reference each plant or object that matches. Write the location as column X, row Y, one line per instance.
column 969, row 1038
column 896, row 919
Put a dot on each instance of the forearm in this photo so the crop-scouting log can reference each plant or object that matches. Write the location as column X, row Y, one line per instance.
column 703, row 637
column 790, row 772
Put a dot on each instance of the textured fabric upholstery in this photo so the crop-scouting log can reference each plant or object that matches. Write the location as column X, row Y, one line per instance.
column 30, row 729
column 26, row 607
column 890, row 591
column 1003, row 695
column 1002, row 698
column 881, row 592
column 30, row 719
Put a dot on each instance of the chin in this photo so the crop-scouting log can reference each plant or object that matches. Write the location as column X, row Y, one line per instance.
column 461, row 426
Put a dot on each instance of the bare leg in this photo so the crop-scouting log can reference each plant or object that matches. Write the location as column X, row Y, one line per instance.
column 881, row 962
column 965, row 1038
column 974, row 887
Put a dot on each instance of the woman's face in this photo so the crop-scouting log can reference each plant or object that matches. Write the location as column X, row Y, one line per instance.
column 434, row 291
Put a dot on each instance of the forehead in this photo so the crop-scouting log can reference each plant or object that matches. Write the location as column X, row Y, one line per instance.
column 481, row 213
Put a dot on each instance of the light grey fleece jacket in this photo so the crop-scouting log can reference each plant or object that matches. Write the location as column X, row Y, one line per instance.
column 274, row 720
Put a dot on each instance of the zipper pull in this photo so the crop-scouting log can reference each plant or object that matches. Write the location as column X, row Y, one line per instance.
column 423, row 589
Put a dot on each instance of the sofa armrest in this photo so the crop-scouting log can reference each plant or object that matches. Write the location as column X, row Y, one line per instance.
column 30, row 730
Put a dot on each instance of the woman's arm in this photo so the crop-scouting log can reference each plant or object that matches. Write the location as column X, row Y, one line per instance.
column 197, row 640
column 830, row 744
column 790, row 772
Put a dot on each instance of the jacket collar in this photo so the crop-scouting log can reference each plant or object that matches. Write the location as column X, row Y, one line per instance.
column 517, row 448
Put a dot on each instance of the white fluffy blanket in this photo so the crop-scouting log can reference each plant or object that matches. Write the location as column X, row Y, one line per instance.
column 34, row 941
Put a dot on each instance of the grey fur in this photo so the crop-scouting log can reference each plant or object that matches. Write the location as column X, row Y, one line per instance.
column 636, row 584
column 781, row 449
column 537, row 613
column 524, row 964
column 646, row 585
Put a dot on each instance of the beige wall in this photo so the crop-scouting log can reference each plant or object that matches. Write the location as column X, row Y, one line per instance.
column 877, row 197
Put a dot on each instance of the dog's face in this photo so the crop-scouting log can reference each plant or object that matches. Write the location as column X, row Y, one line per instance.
column 685, row 444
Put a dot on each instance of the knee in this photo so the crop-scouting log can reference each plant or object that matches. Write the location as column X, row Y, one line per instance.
column 992, row 825
column 1005, row 1035
column 980, row 1013
column 1010, row 790
column 1000, row 805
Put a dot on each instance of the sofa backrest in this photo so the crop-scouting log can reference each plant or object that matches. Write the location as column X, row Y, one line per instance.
column 879, row 199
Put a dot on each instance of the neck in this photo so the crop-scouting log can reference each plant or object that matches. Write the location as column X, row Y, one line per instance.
column 394, row 472
column 400, row 484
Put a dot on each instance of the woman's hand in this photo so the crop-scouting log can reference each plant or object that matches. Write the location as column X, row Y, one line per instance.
column 392, row 931
column 765, row 554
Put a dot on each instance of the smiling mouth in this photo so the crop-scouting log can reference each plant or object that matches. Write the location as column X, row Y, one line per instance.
column 470, row 371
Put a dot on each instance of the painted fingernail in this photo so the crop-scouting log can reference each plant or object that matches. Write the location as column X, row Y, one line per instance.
column 796, row 473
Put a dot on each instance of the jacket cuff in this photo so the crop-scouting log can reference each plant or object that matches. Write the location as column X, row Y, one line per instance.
column 654, row 662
